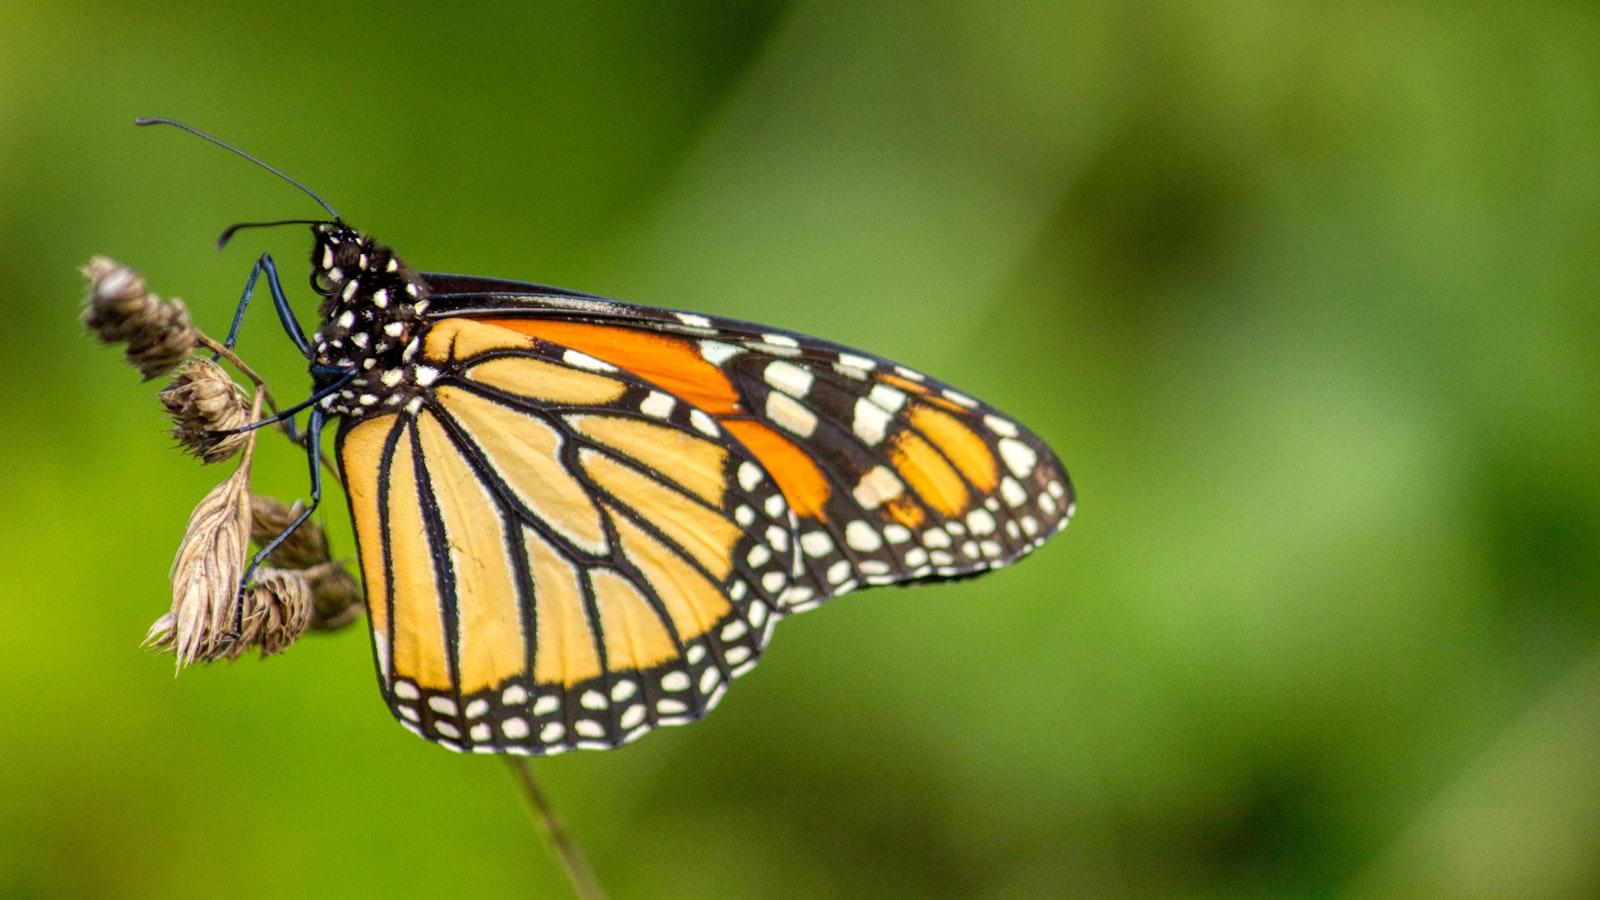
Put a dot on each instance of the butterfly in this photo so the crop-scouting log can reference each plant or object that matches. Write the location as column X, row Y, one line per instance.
column 578, row 519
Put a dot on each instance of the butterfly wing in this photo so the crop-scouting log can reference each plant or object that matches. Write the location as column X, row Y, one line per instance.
column 556, row 557
column 893, row 476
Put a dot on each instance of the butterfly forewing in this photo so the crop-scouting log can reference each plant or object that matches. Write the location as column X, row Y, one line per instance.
column 893, row 476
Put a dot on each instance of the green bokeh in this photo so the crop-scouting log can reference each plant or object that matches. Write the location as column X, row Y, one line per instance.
column 1304, row 294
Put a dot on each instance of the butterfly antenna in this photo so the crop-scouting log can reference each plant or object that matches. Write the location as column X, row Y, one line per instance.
column 231, row 148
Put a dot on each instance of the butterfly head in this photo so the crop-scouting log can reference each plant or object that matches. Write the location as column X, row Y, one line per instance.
column 372, row 313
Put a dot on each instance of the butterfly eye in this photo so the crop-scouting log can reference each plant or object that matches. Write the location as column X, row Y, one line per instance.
column 322, row 284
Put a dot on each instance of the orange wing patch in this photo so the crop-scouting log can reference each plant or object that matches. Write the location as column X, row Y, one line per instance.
column 797, row 474
column 673, row 363
column 934, row 480
column 964, row 448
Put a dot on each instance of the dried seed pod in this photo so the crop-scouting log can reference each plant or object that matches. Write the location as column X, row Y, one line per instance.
column 121, row 309
column 277, row 610
column 205, row 405
column 206, row 574
column 307, row 546
column 335, row 598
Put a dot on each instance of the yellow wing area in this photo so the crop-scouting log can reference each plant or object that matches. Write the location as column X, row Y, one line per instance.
column 549, row 561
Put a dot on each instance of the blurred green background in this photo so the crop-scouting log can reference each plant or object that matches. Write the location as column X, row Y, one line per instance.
column 1303, row 293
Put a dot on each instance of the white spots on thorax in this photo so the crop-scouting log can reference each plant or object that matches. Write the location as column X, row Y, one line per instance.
column 346, row 320
column 414, row 406
column 394, row 329
column 380, row 298
column 391, row 377
column 787, row 413
column 327, row 257
column 425, row 375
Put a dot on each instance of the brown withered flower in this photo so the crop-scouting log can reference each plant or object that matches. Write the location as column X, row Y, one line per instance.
column 121, row 309
column 335, row 595
column 205, row 406
column 206, row 574
column 277, row 610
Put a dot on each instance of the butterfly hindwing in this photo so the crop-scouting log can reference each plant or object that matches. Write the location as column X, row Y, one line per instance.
column 555, row 556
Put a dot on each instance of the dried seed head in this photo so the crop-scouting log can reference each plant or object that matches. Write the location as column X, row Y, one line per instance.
column 205, row 404
column 335, row 595
column 206, row 575
column 335, row 598
column 277, row 609
column 121, row 309
column 307, row 546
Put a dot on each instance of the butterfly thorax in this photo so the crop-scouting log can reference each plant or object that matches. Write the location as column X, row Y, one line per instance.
column 371, row 322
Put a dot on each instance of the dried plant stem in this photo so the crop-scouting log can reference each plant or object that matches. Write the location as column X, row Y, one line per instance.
column 222, row 350
column 584, row 884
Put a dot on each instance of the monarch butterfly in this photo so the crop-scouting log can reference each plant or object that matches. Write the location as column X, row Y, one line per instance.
column 578, row 519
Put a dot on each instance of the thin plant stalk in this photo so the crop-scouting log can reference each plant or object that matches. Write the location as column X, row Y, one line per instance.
column 581, row 877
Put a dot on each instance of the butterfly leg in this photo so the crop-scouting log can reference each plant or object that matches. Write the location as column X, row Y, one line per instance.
column 280, row 302
column 314, row 454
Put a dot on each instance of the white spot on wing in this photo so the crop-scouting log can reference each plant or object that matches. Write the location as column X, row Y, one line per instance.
column 658, row 405
column 788, row 414
column 861, row 536
column 585, row 361
column 1019, row 457
column 876, row 487
column 788, row 377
